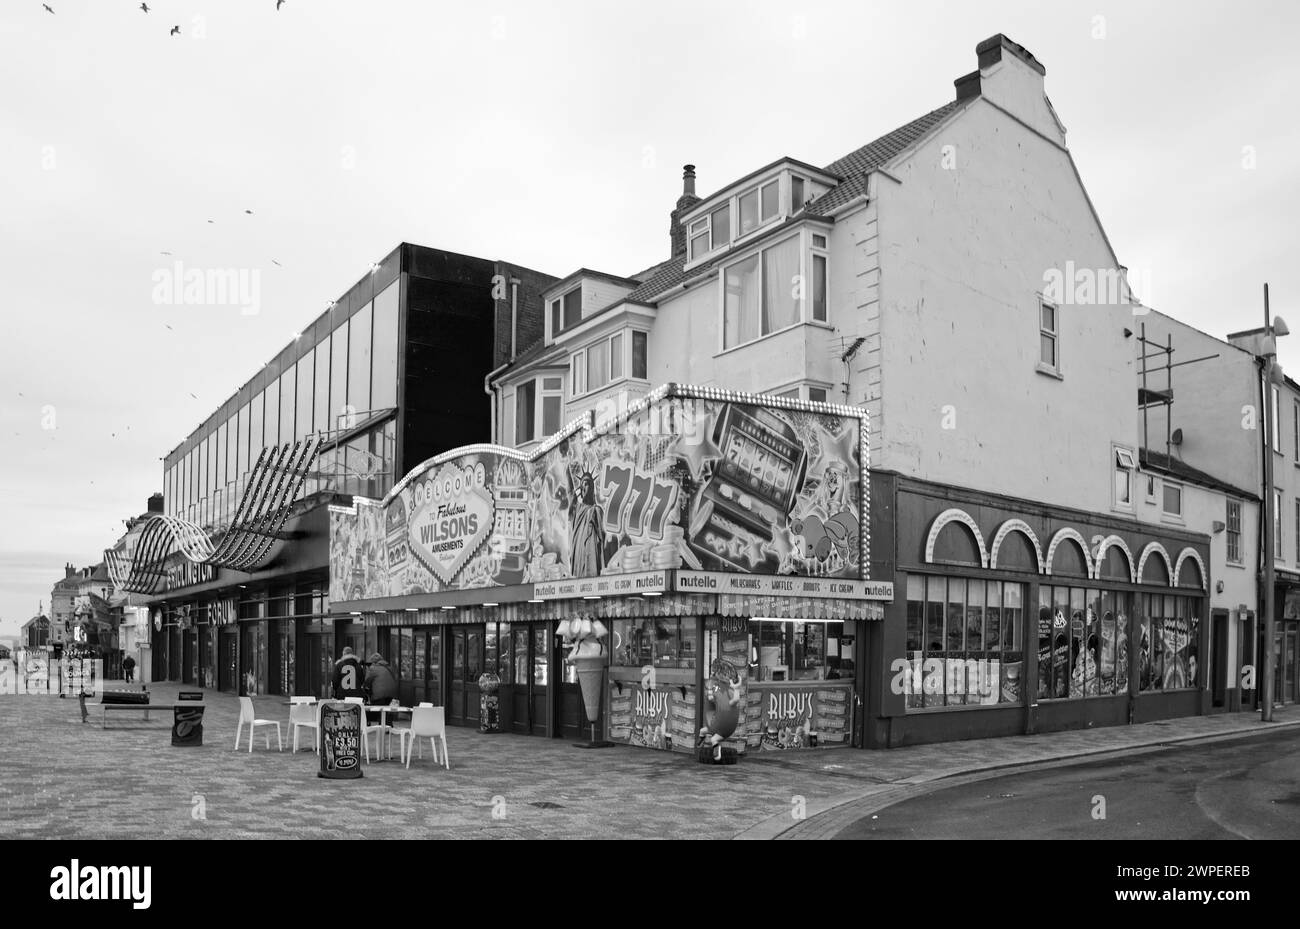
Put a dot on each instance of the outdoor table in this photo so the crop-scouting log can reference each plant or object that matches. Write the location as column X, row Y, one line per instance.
column 383, row 710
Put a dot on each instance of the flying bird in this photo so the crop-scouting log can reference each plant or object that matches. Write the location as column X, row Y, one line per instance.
column 145, row 7
column 176, row 30
column 249, row 212
column 279, row 3
column 48, row 8
column 276, row 263
column 213, row 221
column 192, row 395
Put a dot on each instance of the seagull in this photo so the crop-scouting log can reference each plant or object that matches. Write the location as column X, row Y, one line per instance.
column 192, row 395
column 145, row 7
column 276, row 263
column 50, row 9
column 249, row 212
column 176, row 30
column 213, row 221
column 169, row 327
column 279, row 3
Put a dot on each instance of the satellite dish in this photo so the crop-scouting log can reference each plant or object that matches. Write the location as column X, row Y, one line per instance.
column 1177, row 437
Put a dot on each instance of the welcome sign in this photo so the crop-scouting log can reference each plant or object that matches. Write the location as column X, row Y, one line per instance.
column 452, row 518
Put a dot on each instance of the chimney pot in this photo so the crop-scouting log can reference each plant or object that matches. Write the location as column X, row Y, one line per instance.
column 688, row 181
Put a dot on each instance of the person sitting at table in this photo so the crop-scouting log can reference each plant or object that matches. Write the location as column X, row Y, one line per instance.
column 347, row 675
column 380, row 683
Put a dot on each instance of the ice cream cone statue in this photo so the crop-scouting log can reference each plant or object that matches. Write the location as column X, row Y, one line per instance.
column 584, row 639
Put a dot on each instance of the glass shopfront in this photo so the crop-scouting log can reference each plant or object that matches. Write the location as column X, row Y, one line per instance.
column 1169, row 629
column 964, row 642
column 797, row 680
column 1083, row 637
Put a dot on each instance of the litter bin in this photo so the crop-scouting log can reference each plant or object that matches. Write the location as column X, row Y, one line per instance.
column 489, row 702
column 340, row 740
column 187, row 721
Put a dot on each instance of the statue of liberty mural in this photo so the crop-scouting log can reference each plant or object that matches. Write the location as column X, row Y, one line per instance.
column 587, row 540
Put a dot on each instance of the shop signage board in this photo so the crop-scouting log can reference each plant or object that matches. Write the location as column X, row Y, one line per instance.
column 688, row 480
column 714, row 582
column 609, row 585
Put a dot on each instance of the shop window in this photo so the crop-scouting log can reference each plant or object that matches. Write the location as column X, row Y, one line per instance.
column 799, row 651
column 661, row 642
column 964, row 643
column 1169, row 632
column 1082, row 642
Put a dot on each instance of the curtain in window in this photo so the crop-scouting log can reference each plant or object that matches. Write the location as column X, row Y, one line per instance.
column 740, row 315
column 780, row 274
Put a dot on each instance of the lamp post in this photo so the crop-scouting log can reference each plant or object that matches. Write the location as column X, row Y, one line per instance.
column 1272, row 373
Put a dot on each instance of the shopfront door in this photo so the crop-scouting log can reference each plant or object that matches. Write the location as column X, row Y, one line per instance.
column 528, row 657
column 227, row 648
column 1219, row 658
column 1285, row 644
column 466, row 666
column 191, row 657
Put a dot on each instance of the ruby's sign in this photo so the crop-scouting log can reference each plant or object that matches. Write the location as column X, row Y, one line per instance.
column 452, row 518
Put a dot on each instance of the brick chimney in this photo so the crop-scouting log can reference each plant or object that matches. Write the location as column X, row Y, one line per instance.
column 676, row 231
column 155, row 504
column 69, row 570
column 1012, row 78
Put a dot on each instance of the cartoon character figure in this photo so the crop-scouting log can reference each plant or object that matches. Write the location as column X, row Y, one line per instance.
column 839, row 533
column 723, row 695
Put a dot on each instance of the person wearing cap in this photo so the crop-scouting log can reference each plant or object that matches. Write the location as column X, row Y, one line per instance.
column 347, row 675
column 380, row 683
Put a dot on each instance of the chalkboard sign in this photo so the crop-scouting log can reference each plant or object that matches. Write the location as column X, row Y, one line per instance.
column 340, row 733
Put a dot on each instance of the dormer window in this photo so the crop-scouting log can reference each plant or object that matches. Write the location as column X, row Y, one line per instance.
column 796, row 194
column 757, row 206
column 710, row 232
column 566, row 310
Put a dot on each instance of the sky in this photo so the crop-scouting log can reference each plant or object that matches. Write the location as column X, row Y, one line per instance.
column 550, row 135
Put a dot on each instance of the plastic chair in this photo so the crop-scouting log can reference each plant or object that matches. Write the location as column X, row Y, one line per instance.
column 427, row 722
column 246, row 715
column 367, row 728
column 303, row 715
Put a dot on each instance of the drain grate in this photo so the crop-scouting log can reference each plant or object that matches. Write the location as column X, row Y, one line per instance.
column 546, row 805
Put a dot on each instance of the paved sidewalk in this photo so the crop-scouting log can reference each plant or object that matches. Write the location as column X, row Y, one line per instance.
column 67, row 780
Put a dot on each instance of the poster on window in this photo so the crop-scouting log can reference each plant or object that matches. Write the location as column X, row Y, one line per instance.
column 707, row 485
column 779, row 718
column 1176, row 643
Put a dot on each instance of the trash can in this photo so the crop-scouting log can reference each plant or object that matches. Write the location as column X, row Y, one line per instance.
column 187, row 720
column 489, row 702
column 340, row 740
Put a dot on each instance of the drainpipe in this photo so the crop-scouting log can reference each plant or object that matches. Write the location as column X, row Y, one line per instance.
column 514, row 317
column 491, row 392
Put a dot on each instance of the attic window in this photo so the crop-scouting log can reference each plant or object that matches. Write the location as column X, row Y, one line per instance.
column 757, row 206
column 566, row 310
column 710, row 232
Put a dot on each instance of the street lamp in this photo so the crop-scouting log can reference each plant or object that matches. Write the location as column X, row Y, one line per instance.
column 1272, row 375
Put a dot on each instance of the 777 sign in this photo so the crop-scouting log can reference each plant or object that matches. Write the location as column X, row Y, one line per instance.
column 636, row 504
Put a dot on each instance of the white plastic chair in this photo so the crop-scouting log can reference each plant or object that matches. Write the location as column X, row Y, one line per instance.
column 367, row 728
column 303, row 715
column 246, row 715
column 427, row 722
